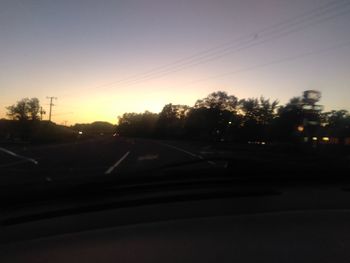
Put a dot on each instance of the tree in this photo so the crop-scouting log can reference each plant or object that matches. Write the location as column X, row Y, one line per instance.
column 267, row 111
column 337, row 123
column 33, row 108
column 18, row 110
column 336, row 118
column 249, row 109
column 94, row 128
column 137, row 124
column 219, row 100
column 211, row 117
column 257, row 116
column 290, row 117
column 220, row 116
column 258, row 111
column 172, row 119
column 25, row 109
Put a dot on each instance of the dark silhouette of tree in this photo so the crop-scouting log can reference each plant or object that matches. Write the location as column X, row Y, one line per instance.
column 258, row 111
column 335, row 118
column 219, row 100
column 171, row 120
column 337, row 123
column 19, row 110
column 33, row 108
column 222, row 117
column 290, row 117
column 256, row 115
column 268, row 111
column 25, row 109
column 212, row 116
column 95, row 128
column 137, row 124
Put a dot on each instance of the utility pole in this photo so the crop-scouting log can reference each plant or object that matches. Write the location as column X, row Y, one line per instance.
column 42, row 112
column 51, row 105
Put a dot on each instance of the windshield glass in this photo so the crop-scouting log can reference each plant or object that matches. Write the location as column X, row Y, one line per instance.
column 131, row 88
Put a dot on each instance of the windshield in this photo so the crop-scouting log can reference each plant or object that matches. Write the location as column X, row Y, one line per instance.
column 97, row 89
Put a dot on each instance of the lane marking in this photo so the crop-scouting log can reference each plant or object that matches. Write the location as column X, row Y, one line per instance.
column 19, row 156
column 187, row 152
column 110, row 169
column 182, row 150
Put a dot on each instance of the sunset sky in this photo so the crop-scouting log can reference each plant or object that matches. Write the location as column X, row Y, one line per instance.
column 105, row 57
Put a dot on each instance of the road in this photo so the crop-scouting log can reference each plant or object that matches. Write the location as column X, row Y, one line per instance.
column 118, row 156
column 98, row 156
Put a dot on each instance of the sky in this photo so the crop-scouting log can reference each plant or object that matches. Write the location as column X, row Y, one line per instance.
column 103, row 58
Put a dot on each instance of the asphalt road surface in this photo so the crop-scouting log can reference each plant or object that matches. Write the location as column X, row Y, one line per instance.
column 118, row 156
column 98, row 156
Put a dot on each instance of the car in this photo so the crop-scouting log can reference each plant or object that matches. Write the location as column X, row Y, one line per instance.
column 174, row 131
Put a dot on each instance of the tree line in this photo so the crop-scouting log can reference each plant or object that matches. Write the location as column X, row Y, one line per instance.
column 217, row 117
column 26, row 125
column 224, row 117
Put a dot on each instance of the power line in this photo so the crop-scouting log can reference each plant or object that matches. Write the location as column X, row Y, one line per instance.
column 229, row 43
column 276, row 31
column 228, row 51
column 177, row 62
column 273, row 62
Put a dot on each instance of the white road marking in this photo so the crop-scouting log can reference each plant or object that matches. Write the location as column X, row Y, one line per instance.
column 182, row 150
column 19, row 156
column 187, row 152
column 110, row 169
